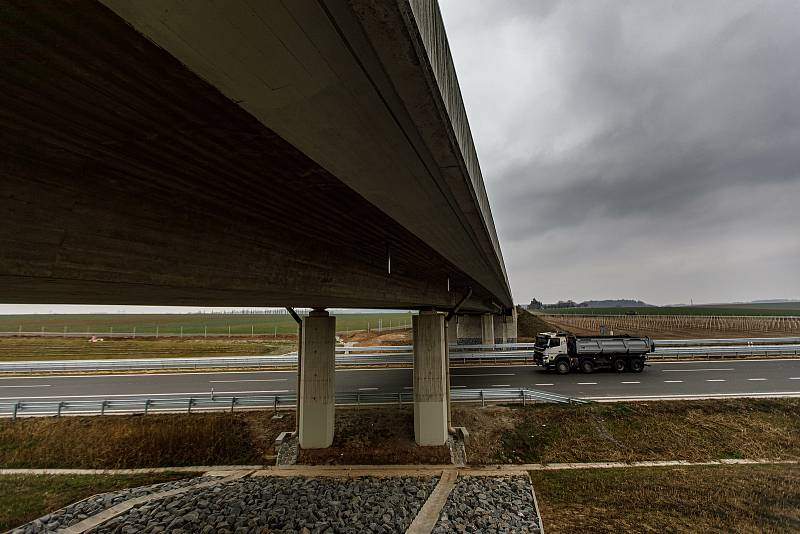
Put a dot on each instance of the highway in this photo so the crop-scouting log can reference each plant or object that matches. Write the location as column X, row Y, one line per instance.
column 690, row 379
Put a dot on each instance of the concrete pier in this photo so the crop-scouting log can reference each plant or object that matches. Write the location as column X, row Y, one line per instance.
column 317, row 380
column 505, row 328
column 430, row 379
column 469, row 330
column 487, row 329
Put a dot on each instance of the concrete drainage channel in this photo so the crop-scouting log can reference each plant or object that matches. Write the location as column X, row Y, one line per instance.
column 308, row 502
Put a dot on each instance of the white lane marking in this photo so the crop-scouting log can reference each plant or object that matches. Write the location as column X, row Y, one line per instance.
column 155, row 373
column 411, row 387
column 673, row 381
column 501, row 385
column 488, row 374
column 126, row 395
column 716, row 380
column 756, row 379
column 701, row 396
column 693, row 370
column 543, row 384
column 367, row 389
column 587, row 383
column 248, row 380
column 794, row 378
column 29, row 386
column 630, row 382
column 457, row 387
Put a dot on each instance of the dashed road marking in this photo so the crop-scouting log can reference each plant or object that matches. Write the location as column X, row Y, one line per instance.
column 587, row 383
column 693, row 370
column 487, row 374
column 715, row 380
column 501, row 385
column 630, row 382
column 673, row 381
column 756, row 379
column 543, row 384
column 367, row 389
column 29, row 386
column 248, row 380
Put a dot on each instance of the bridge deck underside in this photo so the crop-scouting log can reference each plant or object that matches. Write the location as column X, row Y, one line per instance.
column 128, row 179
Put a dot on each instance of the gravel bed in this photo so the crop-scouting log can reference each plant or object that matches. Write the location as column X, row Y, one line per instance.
column 300, row 505
column 489, row 504
column 79, row 511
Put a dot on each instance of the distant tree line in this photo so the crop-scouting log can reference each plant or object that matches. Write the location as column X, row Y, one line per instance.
column 618, row 303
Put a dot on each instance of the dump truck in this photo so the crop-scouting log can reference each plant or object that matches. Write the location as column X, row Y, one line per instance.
column 567, row 352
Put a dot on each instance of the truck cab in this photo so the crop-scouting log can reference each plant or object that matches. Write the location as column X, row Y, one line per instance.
column 549, row 347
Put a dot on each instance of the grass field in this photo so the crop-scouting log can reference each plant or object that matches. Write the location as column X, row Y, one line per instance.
column 190, row 324
column 778, row 309
column 741, row 498
column 49, row 348
column 627, row 432
column 23, row 498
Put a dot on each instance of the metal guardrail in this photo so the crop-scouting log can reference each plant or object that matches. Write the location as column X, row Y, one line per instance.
column 520, row 353
column 287, row 401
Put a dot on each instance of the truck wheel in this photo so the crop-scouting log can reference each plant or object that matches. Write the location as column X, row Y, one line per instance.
column 587, row 366
column 619, row 365
column 562, row 367
column 637, row 365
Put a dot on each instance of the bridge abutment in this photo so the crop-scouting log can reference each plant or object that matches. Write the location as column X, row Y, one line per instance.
column 316, row 390
column 430, row 379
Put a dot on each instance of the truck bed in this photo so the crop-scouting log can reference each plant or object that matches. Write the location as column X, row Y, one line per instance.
column 612, row 345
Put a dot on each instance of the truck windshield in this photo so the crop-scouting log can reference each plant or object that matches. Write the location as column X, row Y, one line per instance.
column 555, row 342
column 541, row 341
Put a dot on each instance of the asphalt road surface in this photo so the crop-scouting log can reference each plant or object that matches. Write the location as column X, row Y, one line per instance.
column 696, row 379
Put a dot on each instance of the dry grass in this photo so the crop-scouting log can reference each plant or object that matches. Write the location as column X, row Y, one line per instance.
column 17, row 349
column 666, row 430
column 375, row 436
column 763, row 498
column 23, row 498
column 140, row 441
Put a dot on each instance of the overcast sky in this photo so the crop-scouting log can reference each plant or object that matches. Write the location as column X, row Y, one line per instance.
column 637, row 149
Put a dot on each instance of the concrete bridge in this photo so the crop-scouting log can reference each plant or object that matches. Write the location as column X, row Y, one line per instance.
column 308, row 153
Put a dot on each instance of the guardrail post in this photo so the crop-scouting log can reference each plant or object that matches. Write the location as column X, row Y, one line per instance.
column 275, row 404
column 189, row 408
column 146, row 405
column 16, row 408
column 522, row 394
column 358, row 399
column 233, row 403
column 483, row 400
column 60, row 405
column 400, row 398
column 103, row 407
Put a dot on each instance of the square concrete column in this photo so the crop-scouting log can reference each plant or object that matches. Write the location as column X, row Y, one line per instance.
column 469, row 330
column 316, row 390
column 487, row 329
column 499, row 328
column 430, row 379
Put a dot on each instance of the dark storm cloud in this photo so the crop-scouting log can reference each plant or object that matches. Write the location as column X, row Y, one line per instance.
column 675, row 126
